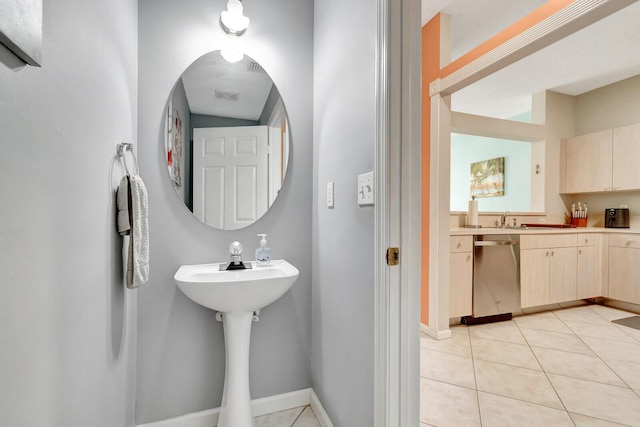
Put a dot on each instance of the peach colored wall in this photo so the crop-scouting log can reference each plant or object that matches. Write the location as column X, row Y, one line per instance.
column 430, row 71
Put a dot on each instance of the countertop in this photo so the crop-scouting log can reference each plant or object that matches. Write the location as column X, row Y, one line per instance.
column 539, row 230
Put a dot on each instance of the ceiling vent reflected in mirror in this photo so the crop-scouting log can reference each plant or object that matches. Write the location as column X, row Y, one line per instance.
column 226, row 95
column 254, row 67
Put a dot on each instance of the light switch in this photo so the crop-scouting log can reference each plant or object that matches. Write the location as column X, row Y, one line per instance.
column 330, row 194
column 365, row 189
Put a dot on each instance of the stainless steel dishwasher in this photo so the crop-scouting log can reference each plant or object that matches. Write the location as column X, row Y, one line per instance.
column 496, row 278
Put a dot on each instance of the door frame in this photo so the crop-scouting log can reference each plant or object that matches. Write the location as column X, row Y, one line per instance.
column 397, row 181
column 397, row 214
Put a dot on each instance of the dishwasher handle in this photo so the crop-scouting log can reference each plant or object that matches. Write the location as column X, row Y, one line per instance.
column 496, row 242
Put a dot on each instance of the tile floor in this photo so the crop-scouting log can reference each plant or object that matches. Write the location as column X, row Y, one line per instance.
column 296, row 417
column 569, row 367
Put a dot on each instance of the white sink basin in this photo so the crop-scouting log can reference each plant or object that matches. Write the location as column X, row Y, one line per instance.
column 237, row 294
column 236, row 290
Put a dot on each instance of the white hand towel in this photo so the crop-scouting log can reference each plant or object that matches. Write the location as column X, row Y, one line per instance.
column 122, row 202
column 138, row 262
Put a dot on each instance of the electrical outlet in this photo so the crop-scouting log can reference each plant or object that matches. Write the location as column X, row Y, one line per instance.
column 365, row 189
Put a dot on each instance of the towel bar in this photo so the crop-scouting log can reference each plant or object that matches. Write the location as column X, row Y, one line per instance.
column 123, row 147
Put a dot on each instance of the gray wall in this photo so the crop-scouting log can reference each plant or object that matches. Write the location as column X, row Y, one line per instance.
column 180, row 344
column 344, row 147
column 67, row 325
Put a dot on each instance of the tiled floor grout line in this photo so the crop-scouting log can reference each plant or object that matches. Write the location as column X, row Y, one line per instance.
column 298, row 417
column 608, row 365
column 628, row 386
column 475, row 377
column 598, row 356
column 545, row 374
column 578, row 317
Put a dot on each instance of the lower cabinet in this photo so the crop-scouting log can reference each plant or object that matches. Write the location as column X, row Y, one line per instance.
column 460, row 276
column 556, row 268
column 589, row 266
column 624, row 267
column 548, row 268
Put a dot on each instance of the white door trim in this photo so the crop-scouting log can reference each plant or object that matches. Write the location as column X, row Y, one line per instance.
column 397, row 311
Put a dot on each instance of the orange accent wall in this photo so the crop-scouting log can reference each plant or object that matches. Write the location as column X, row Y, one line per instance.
column 430, row 71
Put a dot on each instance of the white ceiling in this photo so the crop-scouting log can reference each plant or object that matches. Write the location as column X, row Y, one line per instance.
column 601, row 54
column 211, row 84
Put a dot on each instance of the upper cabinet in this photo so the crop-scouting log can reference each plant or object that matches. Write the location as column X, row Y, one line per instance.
column 587, row 163
column 601, row 161
column 626, row 152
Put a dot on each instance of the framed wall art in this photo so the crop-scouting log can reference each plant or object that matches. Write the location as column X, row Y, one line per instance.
column 21, row 29
column 174, row 145
column 487, row 178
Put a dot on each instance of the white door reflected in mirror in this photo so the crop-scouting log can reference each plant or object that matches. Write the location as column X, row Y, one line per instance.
column 230, row 175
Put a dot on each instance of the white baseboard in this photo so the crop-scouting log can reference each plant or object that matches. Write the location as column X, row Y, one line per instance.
column 438, row 335
column 318, row 410
column 262, row 406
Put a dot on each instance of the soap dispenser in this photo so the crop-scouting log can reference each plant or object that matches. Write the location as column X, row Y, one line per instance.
column 263, row 252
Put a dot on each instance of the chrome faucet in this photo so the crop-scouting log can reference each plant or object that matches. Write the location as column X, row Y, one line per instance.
column 235, row 248
column 503, row 219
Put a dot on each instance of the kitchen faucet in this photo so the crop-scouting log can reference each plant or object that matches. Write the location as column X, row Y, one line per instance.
column 503, row 219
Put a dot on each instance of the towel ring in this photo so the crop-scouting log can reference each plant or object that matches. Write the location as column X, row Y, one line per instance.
column 123, row 147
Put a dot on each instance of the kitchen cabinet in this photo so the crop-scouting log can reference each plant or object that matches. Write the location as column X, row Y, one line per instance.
column 624, row 267
column 601, row 161
column 460, row 276
column 548, row 268
column 587, row 162
column 626, row 151
column 589, row 266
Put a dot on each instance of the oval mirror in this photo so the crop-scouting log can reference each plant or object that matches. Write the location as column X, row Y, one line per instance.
column 227, row 140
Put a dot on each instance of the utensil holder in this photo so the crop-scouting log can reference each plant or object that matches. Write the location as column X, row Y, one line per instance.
column 579, row 222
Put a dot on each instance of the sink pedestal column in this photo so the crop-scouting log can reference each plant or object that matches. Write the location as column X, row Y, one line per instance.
column 235, row 410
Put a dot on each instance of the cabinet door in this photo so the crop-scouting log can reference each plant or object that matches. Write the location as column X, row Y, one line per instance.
column 563, row 267
column 624, row 274
column 460, row 284
column 588, row 162
column 626, row 151
column 589, row 272
column 534, row 277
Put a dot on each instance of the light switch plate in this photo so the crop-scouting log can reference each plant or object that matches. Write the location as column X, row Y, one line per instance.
column 330, row 194
column 365, row 189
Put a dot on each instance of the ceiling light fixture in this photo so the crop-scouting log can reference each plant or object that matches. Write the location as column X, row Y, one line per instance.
column 232, row 21
column 231, row 55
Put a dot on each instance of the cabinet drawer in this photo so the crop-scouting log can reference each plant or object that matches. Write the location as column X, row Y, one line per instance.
column 588, row 239
column 625, row 240
column 460, row 244
column 543, row 241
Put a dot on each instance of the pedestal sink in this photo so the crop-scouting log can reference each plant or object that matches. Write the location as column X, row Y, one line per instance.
column 237, row 294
